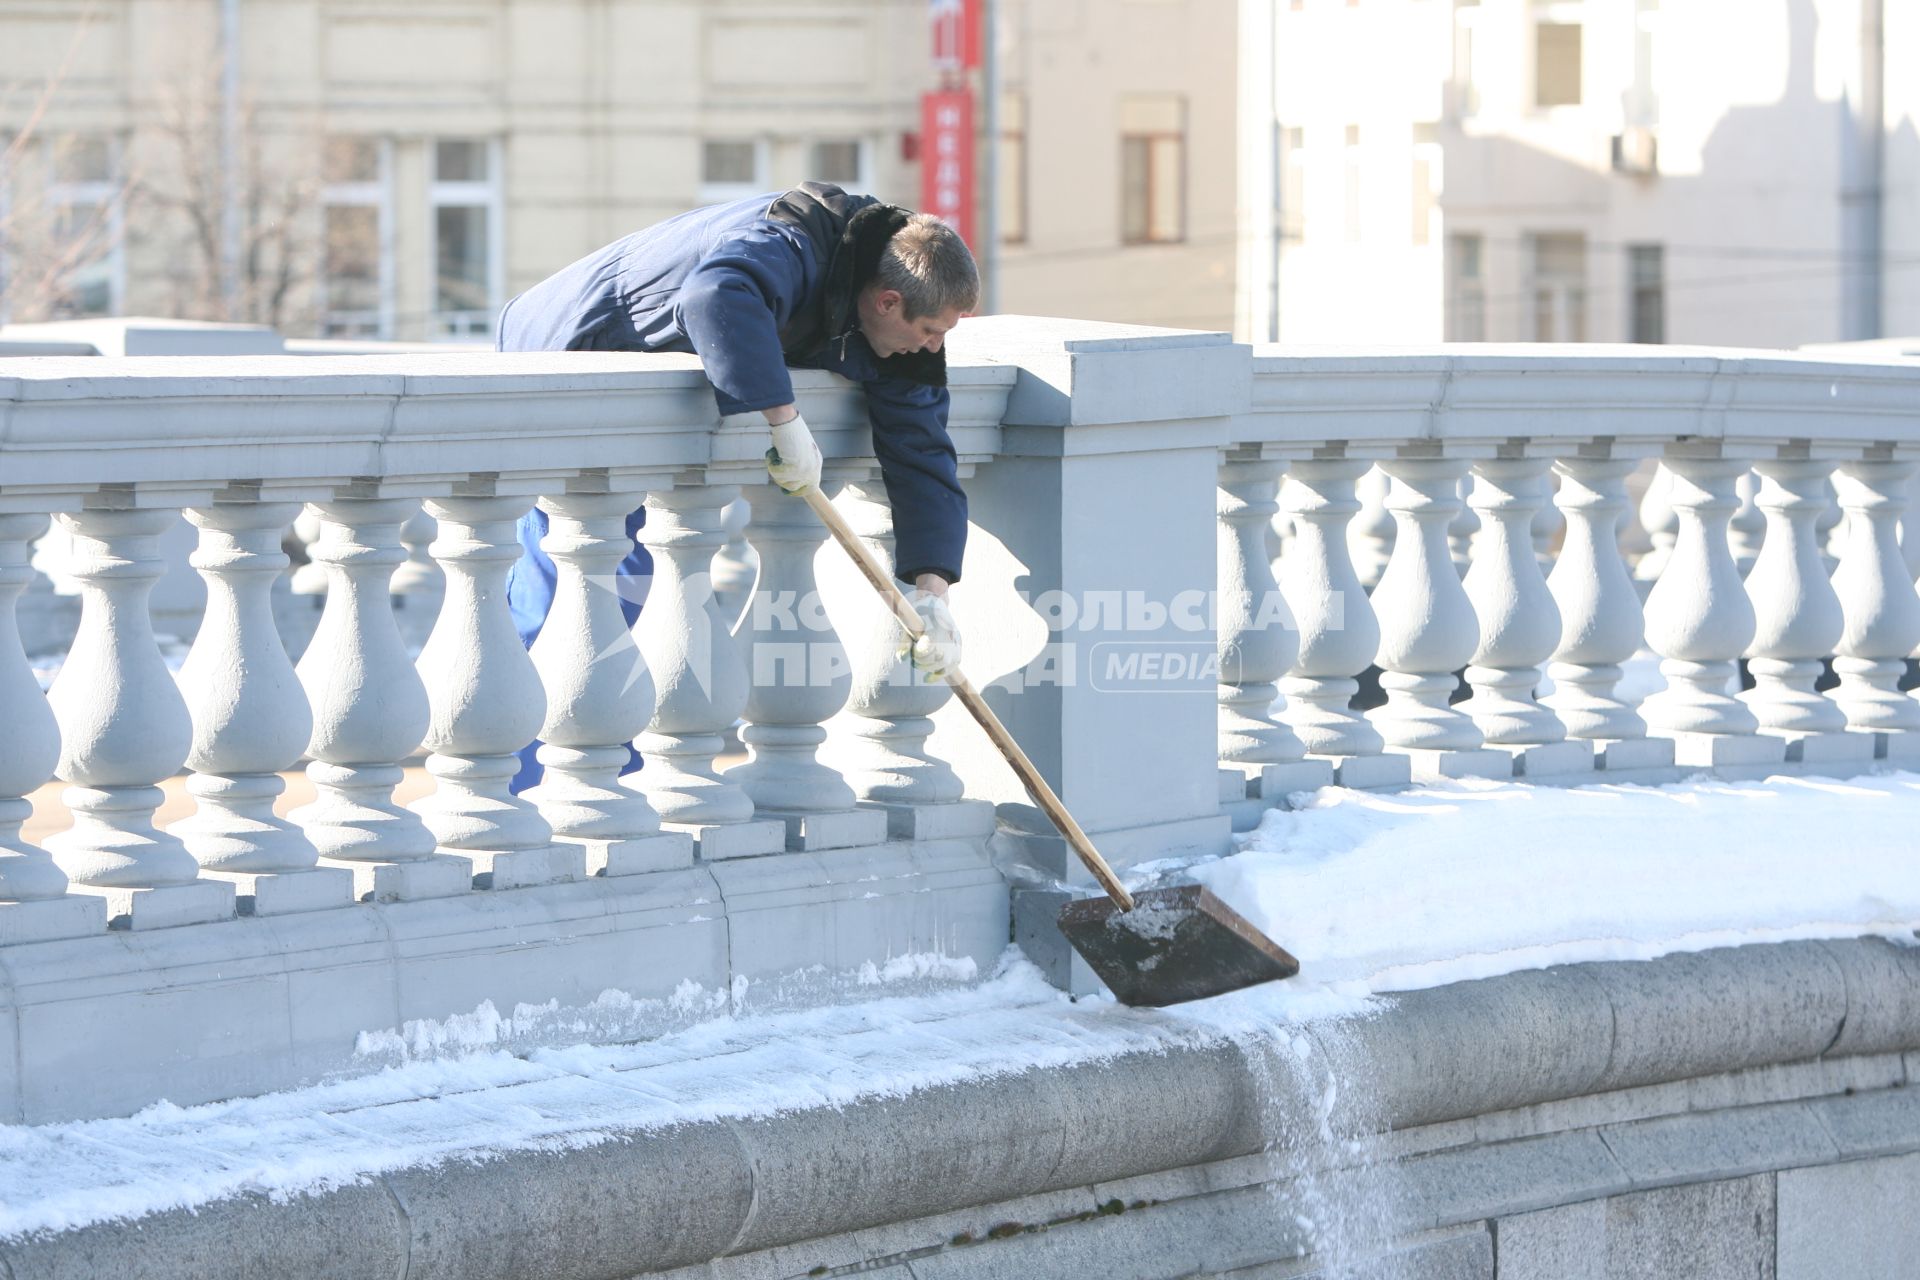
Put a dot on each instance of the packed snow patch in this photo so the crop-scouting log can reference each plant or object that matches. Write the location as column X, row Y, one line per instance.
column 1373, row 893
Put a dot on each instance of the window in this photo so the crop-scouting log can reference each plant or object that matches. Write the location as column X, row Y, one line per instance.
column 356, row 245
column 732, row 169
column 1013, row 168
column 85, row 231
column 466, row 237
column 1647, row 293
column 1354, row 228
column 1466, row 289
column 1559, row 287
column 1153, row 164
column 1556, row 64
column 841, row 162
column 1426, row 181
column 1293, row 184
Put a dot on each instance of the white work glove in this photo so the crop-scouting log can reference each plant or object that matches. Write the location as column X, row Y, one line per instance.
column 937, row 651
column 794, row 461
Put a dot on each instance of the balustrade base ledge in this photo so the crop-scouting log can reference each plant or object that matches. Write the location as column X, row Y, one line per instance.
column 1368, row 773
column 282, row 892
column 817, row 832
column 666, row 851
column 1856, row 749
column 1551, row 759
column 1615, row 756
column 1433, row 765
column 437, row 875
column 555, row 863
column 165, row 907
column 1713, row 750
column 1900, row 750
column 958, row 820
column 716, row 841
column 48, row 919
column 1500, row 1096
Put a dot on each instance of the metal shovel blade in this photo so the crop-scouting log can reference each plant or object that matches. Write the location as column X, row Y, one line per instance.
column 1177, row 944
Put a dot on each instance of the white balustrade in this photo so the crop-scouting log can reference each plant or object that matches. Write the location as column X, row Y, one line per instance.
column 34, row 903
column 370, row 712
column 1797, row 619
column 484, row 703
column 1700, row 622
column 1601, row 622
column 124, row 728
column 250, row 719
column 1338, row 632
column 1519, row 622
column 700, row 679
column 1880, row 610
column 1428, row 629
column 1257, row 638
column 599, row 694
column 798, row 678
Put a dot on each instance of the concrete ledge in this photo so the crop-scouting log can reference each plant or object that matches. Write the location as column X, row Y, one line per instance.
column 654, row 1201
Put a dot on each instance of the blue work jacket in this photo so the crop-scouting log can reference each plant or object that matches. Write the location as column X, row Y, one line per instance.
column 748, row 287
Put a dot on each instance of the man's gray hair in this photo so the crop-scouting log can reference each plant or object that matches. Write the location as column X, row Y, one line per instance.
column 929, row 266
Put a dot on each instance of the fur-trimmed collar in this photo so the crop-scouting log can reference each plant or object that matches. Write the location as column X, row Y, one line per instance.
column 848, row 234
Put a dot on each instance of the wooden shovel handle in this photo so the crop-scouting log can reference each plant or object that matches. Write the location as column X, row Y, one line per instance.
column 1036, row 786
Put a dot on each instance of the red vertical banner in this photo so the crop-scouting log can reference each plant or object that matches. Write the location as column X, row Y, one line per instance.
column 955, row 27
column 946, row 158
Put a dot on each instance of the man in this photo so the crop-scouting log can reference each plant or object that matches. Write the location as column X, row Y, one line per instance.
column 813, row 278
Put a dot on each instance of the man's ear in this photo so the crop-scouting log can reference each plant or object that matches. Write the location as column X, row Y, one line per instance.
column 888, row 301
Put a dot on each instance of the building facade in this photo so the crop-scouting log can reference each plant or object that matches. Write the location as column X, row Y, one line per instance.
column 383, row 170
column 1560, row 170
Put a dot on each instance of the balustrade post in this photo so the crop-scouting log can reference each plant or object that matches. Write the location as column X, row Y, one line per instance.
column 1338, row 632
column 1518, row 620
column 124, row 728
column 1461, row 532
column 1602, row 624
column 1797, row 619
column 599, row 695
column 1700, row 621
column 879, row 742
column 484, row 704
column 1879, row 607
column 370, row 712
column 1549, row 526
column 799, row 676
column 34, row 903
column 1257, row 643
column 700, row 679
column 1427, row 628
column 250, row 720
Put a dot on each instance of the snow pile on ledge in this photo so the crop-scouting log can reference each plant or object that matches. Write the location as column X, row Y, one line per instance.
column 1374, row 893
column 1379, row 893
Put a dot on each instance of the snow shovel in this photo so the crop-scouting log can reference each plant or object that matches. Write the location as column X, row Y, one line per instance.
column 1160, row 947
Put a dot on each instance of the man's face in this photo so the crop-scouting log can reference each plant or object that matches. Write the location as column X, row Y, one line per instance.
column 883, row 319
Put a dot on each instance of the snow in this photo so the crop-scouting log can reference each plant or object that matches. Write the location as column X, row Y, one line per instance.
column 1374, row 894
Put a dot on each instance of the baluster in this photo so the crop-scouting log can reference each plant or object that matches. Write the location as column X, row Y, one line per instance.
column 1797, row 618
column 1880, row 609
column 34, row 902
column 1519, row 622
column 1338, row 632
column 1830, row 528
column 734, row 565
column 1461, row 532
column 1747, row 530
column 599, row 695
column 1549, row 527
column 310, row 579
column 1370, row 533
column 879, row 743
column 1427, row 628
column 250, row 720
column 1909, row 527
column 1700, row 621
column 1257, row 643
column 799, row 678
column 485, row 703
column 700, row 679
column 123, row 729
column 1601, row 622
column 369, row 713
column 1662, row 525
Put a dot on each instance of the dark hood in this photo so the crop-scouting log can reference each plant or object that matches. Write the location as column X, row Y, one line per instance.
column 848, row 234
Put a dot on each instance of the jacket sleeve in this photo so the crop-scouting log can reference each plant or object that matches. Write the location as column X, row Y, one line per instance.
column 922, row 476
column 731, row 307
